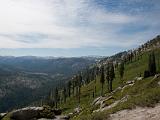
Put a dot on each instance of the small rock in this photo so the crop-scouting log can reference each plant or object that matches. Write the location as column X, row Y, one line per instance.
column 117, row 89
column 127, row 86
column 130, row 82
column 2, row 115
column 157, row 76
column 70, row 114
column 139, row 78
column 159, row 83
column 62, row 118
column 77, row 110
column 124, row 99
column 96, row 100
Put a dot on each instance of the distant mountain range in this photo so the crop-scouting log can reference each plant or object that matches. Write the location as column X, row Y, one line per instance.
column 26, row 79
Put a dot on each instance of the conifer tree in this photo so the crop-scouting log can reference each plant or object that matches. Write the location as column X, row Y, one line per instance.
column 111, row 76
column 102, row 79
column 121, row 70
column 79, row 87
column 152, row 64
column 73, row 85
column 56, row 97
column 64, row 94
column 69, row 88
column 107, row 76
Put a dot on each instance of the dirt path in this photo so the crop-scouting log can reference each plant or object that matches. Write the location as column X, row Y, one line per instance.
column 138, row 114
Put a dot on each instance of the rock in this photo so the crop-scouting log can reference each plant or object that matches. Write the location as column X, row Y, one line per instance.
column 103, row 103
column 77, row 110
column 127, row 86
column 100, row 100
column 138, row 113
column 157, row 76
column 62, row 118
column 159, row 83
column 25, row 113
column 71, row 114
column 138, row 78
column 130, row 82
column 117, row 89
column 113, row 104
column 31, row 113
column 96, row 100
column 107, row 107
column 124, row 99
column 2, row 115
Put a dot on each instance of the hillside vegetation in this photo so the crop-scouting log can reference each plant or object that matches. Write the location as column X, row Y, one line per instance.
column 95, row 93
column 128, row 92
column 24, row 80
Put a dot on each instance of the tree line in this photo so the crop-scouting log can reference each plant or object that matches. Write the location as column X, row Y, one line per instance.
column 106, row 74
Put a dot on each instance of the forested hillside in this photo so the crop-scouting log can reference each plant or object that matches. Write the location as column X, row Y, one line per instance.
column 24, row 80
column 122, row 81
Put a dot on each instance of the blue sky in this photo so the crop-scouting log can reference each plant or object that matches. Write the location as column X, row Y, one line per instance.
column 76, row 27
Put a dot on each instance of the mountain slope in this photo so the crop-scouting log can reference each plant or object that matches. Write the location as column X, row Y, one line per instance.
column 128, row 95
column 24, row 80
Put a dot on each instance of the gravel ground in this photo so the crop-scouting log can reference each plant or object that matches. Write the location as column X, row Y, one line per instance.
column 138, row 114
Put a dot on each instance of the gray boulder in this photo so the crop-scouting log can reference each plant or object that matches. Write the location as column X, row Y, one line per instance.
column 33, row 113
column 2, row 115
column 28, row 113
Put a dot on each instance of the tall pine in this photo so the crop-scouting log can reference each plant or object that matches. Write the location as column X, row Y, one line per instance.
column 121, row 70
column 102, row 79
column 152, row 64
column 111, row 75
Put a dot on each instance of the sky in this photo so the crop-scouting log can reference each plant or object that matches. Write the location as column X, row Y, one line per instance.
column 76, row 27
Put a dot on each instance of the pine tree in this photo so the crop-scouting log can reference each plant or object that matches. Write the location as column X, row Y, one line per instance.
column 152, row 64
column 73, row 85
column 56, row 97
column 79, row 87
column 102, row 79
column 121, row 70
column 69, row 88
column 107, row 76
column 64, row 94
column 111, row 76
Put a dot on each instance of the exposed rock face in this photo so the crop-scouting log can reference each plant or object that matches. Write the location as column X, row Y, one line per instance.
column 159, row 83
column 107, row 107
column 139, row 78
column 27, row 113
column 38, row 113
column 2, row 115
column 156, row 76
column 34, row 113
column 77, row 110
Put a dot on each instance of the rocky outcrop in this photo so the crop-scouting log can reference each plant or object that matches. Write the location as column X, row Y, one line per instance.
column 107, row 107
column 26, row 113
column 2, row 115
column 37, row 113
column 76, row 111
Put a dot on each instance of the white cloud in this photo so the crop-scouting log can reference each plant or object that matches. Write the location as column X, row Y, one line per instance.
column 61, row 24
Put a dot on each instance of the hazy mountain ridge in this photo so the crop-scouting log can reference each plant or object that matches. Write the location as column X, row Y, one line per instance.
column 25, row 79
